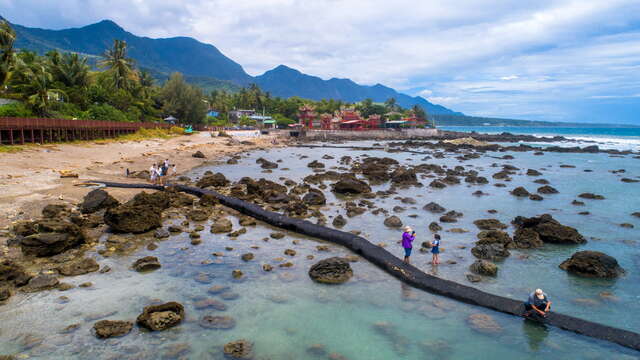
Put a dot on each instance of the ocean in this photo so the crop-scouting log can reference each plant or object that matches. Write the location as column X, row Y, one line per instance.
column 621, row 138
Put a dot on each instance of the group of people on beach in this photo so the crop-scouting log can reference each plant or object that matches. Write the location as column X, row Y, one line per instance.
column 158, row 172
column 537, row 305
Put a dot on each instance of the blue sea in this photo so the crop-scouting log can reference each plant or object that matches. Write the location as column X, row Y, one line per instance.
column 621, row 138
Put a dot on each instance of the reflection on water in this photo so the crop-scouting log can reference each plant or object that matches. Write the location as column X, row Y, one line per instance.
column 287, row 316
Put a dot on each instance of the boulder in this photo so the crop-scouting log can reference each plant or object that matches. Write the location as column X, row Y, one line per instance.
column 527, row 238
column 314, row 197
column 435, row 227
column 550, row 230
column 198, row 214
column 492, row 252
column 161, row 317
column 266, row 164
column 489, row 224
column 54, row 210
column 52, row 237
column 333, row 270
column 350, row 186
column 520, row 192
column 217, row 322
column 591, row 196
column 535, row 197
column 436, row 184
column 84, row 266
column 239, row 349
column 96, row 200
column 222, row 225
column 128, row 218
column 533, row 172
column 41, row 282
column 147, row 263
column 434, row 208
column 593, row 264
column 404, row 176
column 494, row 237
column 484, row 267
column 339, row 221
column 393, row 222
column 214, row 180
column 105, row 329
column 315, row 164
column 547, row 189
column 12, row 274
column 198, row 154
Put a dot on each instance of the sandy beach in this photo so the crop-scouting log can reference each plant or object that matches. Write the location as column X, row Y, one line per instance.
column 30, row 179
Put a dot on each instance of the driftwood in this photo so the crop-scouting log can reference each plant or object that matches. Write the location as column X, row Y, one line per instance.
column 406, row 272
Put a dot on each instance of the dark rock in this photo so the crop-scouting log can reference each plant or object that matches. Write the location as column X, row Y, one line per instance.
column 492, row 252
column 221, row 225
column 550, row 230
column 527, row 238
column 436, row 184
column 484, row 324
column 535, row 197
column 577, row 203
column 315, row 164
column 198, row 154
column 161, row 317
column 239, row 349
column 5, row 294
column 147, row 263
column 128, row 218
column 404, row 176
column 542, row 181
column 434, row 227
column 592, row 264
column 12, row 274
column 96, row 200
column 520, row 192
column 627, row 225
column 52, row 237
column 247, row 257
column 198, row 215
column 266, row 164
column 591, row 196
column 393, row 222
column 636, row 214
column 434, row 208
column 217, row 322
column 532, row 172
column 339, row 221
column 448, row 219
column 627, row 180
column 333, row 270
column 547, row 190
column 81, row 267
column 489, row 224
column 105, row 329
column 247, row 221
column 41, row 282
column 314, row 197
column 494, row 237
column 213, row 180
column 351, row 186
column 51, row 211
column 484, row 267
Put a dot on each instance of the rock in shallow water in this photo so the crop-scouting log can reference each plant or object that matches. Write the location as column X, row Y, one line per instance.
column 484, row 324
column 484, row 267
column 105, row 329
column 333, row 270
column 147, row 263
column 592, row 264
column 161, row 317
column 239, row 349
column 81, row 267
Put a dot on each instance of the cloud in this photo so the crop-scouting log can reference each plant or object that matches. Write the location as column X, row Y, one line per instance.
column 561, row 50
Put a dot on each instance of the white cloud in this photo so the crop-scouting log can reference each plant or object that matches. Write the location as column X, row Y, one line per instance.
column 467, row 52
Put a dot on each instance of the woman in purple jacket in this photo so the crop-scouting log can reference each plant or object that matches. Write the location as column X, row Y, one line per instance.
column 407, row 238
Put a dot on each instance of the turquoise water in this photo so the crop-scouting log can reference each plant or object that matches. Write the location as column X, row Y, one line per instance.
column 372, row 316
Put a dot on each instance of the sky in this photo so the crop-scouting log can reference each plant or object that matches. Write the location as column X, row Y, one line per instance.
column 563, row 60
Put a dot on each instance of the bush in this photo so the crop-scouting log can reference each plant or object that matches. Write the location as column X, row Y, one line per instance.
column 105, row 112
column 281, row 120
column 67, row 111
column 15, row 110
column 176, row 130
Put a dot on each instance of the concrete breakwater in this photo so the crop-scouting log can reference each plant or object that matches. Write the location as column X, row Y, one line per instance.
column 382, row 134
column 407, row 273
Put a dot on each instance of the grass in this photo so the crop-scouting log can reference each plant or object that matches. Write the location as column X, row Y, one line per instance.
column 10, row 148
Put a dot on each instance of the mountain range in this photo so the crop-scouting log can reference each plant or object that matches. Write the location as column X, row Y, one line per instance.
column 205, row 64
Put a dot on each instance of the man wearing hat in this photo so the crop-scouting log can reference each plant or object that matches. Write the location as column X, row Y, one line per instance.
column 538, row 303
column 407, row 238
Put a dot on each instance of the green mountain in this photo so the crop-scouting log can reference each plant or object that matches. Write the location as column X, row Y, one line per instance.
column 204, row 65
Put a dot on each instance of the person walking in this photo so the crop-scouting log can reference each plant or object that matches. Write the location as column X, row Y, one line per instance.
column 160, row 174
column 435, row 250
column 407, row 238
column 153, row 174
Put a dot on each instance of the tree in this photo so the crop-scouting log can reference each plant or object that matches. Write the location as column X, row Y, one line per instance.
column 7, row 56
column 184, row 101
column 391, row 105
column 36, row 86
column 118, row 65
column 419, row 112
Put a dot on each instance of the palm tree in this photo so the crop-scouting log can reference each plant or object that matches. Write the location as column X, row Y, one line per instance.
column 36, row 86
column 69, row 69
column 120, row 67
column 7, row 56
column 391, row 104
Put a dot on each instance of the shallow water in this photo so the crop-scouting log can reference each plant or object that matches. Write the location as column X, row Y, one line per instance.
column 283, row 312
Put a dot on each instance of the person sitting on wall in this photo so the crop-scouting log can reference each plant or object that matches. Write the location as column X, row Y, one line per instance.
column 537, row 304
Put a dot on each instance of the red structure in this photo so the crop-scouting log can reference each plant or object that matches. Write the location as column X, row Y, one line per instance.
column 306, row 115
column 39, row 130
column 326, row 121
column 374, row 121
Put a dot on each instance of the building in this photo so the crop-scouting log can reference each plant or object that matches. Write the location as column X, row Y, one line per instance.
column 306, row 115
column 235, row 115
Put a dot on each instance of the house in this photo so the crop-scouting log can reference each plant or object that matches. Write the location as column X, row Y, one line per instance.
column 235, row 115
